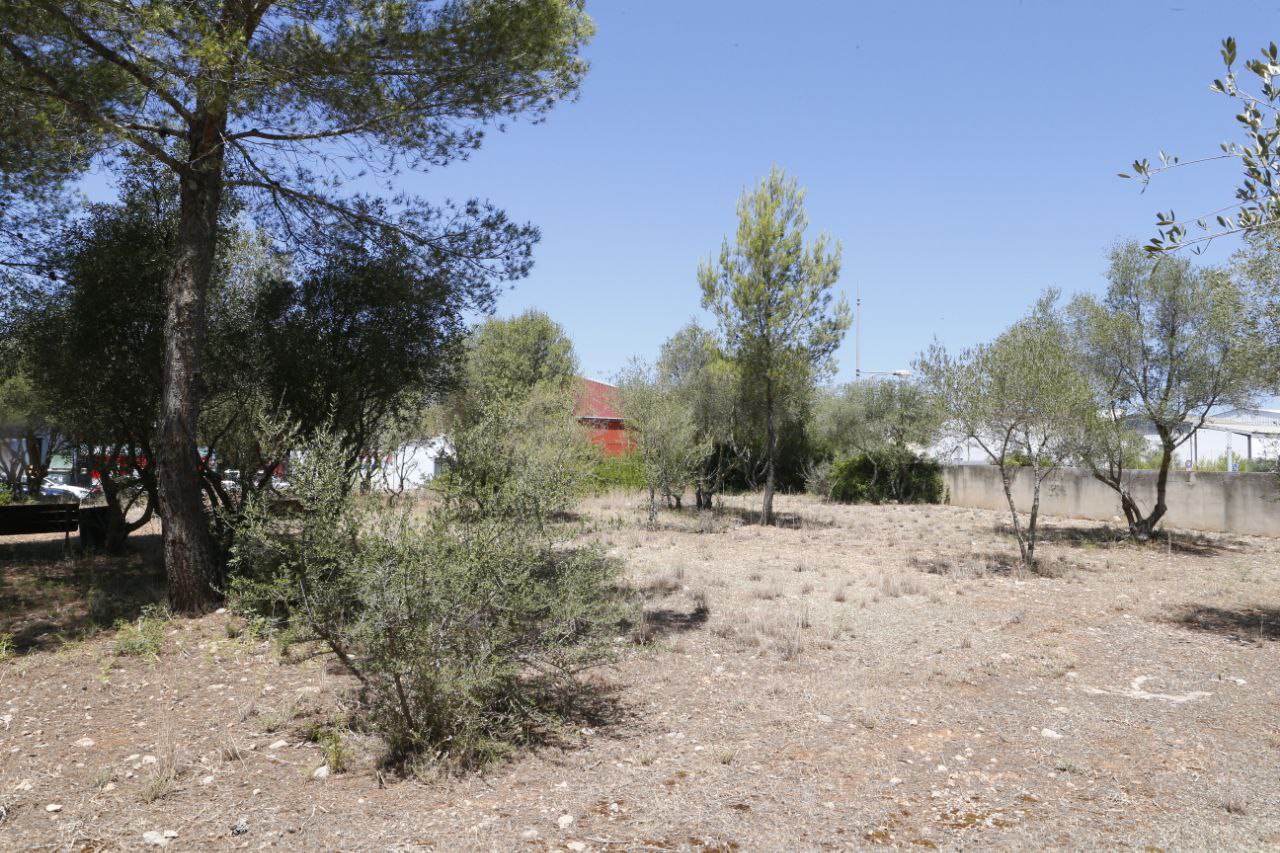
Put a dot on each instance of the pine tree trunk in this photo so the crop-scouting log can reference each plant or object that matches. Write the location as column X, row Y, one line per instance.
column 770, row 454
column 187, row 549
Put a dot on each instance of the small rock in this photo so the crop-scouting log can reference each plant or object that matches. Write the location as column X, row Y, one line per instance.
column 132, row 758
column 149, row 759
column 24, row 785
column 564, row 821
column 154, row 838
column 52, row 808
column 321, row 772
column 207, row 780
column 280, row 744
column 824, row 718
column 85, row 742
column 1050, row 733
column 171, row 833
column 109, row 787
column 240, row 827
column 576, row 846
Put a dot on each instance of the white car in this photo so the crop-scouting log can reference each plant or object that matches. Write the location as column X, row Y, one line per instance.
column 49, row 487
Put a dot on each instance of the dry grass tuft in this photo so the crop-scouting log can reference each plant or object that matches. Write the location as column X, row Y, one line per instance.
column 162, row 777
column 896, row 586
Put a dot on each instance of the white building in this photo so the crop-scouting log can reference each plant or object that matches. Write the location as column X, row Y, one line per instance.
column 412, row 465
column 1233, row 435
column 1236, row 435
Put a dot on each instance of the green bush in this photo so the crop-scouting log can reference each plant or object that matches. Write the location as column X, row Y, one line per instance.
column 466, row 623
column 1248, row 466
column 887, row 476
column 818, row 479
column 619, row 472
column 144, row 637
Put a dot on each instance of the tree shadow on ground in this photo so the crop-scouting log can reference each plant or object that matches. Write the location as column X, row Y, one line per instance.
column 1243, row 624
column 991, row 563
column 1106, row 536
column 666, row 620
column 1069, row 534
column 651, row 623
column 49, row 593
column 784, row 520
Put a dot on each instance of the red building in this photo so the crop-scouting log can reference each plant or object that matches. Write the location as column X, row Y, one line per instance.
column 597, row 409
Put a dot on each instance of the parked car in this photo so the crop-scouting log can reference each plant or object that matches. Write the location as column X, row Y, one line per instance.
column 53, row 489
column 231, row 481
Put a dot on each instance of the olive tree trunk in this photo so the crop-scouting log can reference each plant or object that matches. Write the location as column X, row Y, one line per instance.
column 1006, row 480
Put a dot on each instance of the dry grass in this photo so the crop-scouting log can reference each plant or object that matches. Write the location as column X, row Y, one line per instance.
column 856, row 677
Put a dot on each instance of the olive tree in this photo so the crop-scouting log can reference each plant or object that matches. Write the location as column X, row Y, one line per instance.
column 1255, row 212
column 89, row 335
column 1257, row 205
column 691, row 363
column 661, row 422
column 770, row 293
column 1167, row 344
column 27, row 438
column 1018, row 399
column 278, row 102
column 883, row 420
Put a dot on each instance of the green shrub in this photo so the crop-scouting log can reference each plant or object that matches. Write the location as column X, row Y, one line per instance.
column 336, row 754
column 818, row 479
column 1219, row 463
column 10, row 495
column 144, row 637
column 466, row 623
column 619, row 472
column 890, row 475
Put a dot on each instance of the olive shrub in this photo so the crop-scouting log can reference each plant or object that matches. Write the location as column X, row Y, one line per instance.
column 466, row 621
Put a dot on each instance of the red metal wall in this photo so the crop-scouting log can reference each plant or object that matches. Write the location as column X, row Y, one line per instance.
column 610, row 436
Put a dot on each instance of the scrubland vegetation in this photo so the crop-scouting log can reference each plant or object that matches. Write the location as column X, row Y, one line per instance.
column 541, row 646
column 853, row 676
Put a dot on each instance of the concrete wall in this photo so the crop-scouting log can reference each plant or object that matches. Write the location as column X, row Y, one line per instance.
column 1230, row 503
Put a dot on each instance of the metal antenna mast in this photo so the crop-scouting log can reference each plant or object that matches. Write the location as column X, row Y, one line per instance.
column 857, row 332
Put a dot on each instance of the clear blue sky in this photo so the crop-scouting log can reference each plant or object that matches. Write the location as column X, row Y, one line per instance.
column 964, row 153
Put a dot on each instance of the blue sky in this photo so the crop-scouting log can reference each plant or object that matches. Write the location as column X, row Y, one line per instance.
column 964, row 153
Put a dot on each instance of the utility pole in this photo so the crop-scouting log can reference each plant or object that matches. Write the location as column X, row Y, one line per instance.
column 857, row 332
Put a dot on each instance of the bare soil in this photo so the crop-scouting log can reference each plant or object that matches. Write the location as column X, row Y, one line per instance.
column 859, row 677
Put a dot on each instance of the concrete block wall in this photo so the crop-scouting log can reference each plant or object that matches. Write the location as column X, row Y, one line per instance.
column 1198, row 500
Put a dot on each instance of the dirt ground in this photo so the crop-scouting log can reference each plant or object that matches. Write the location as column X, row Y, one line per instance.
column 861, row 677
